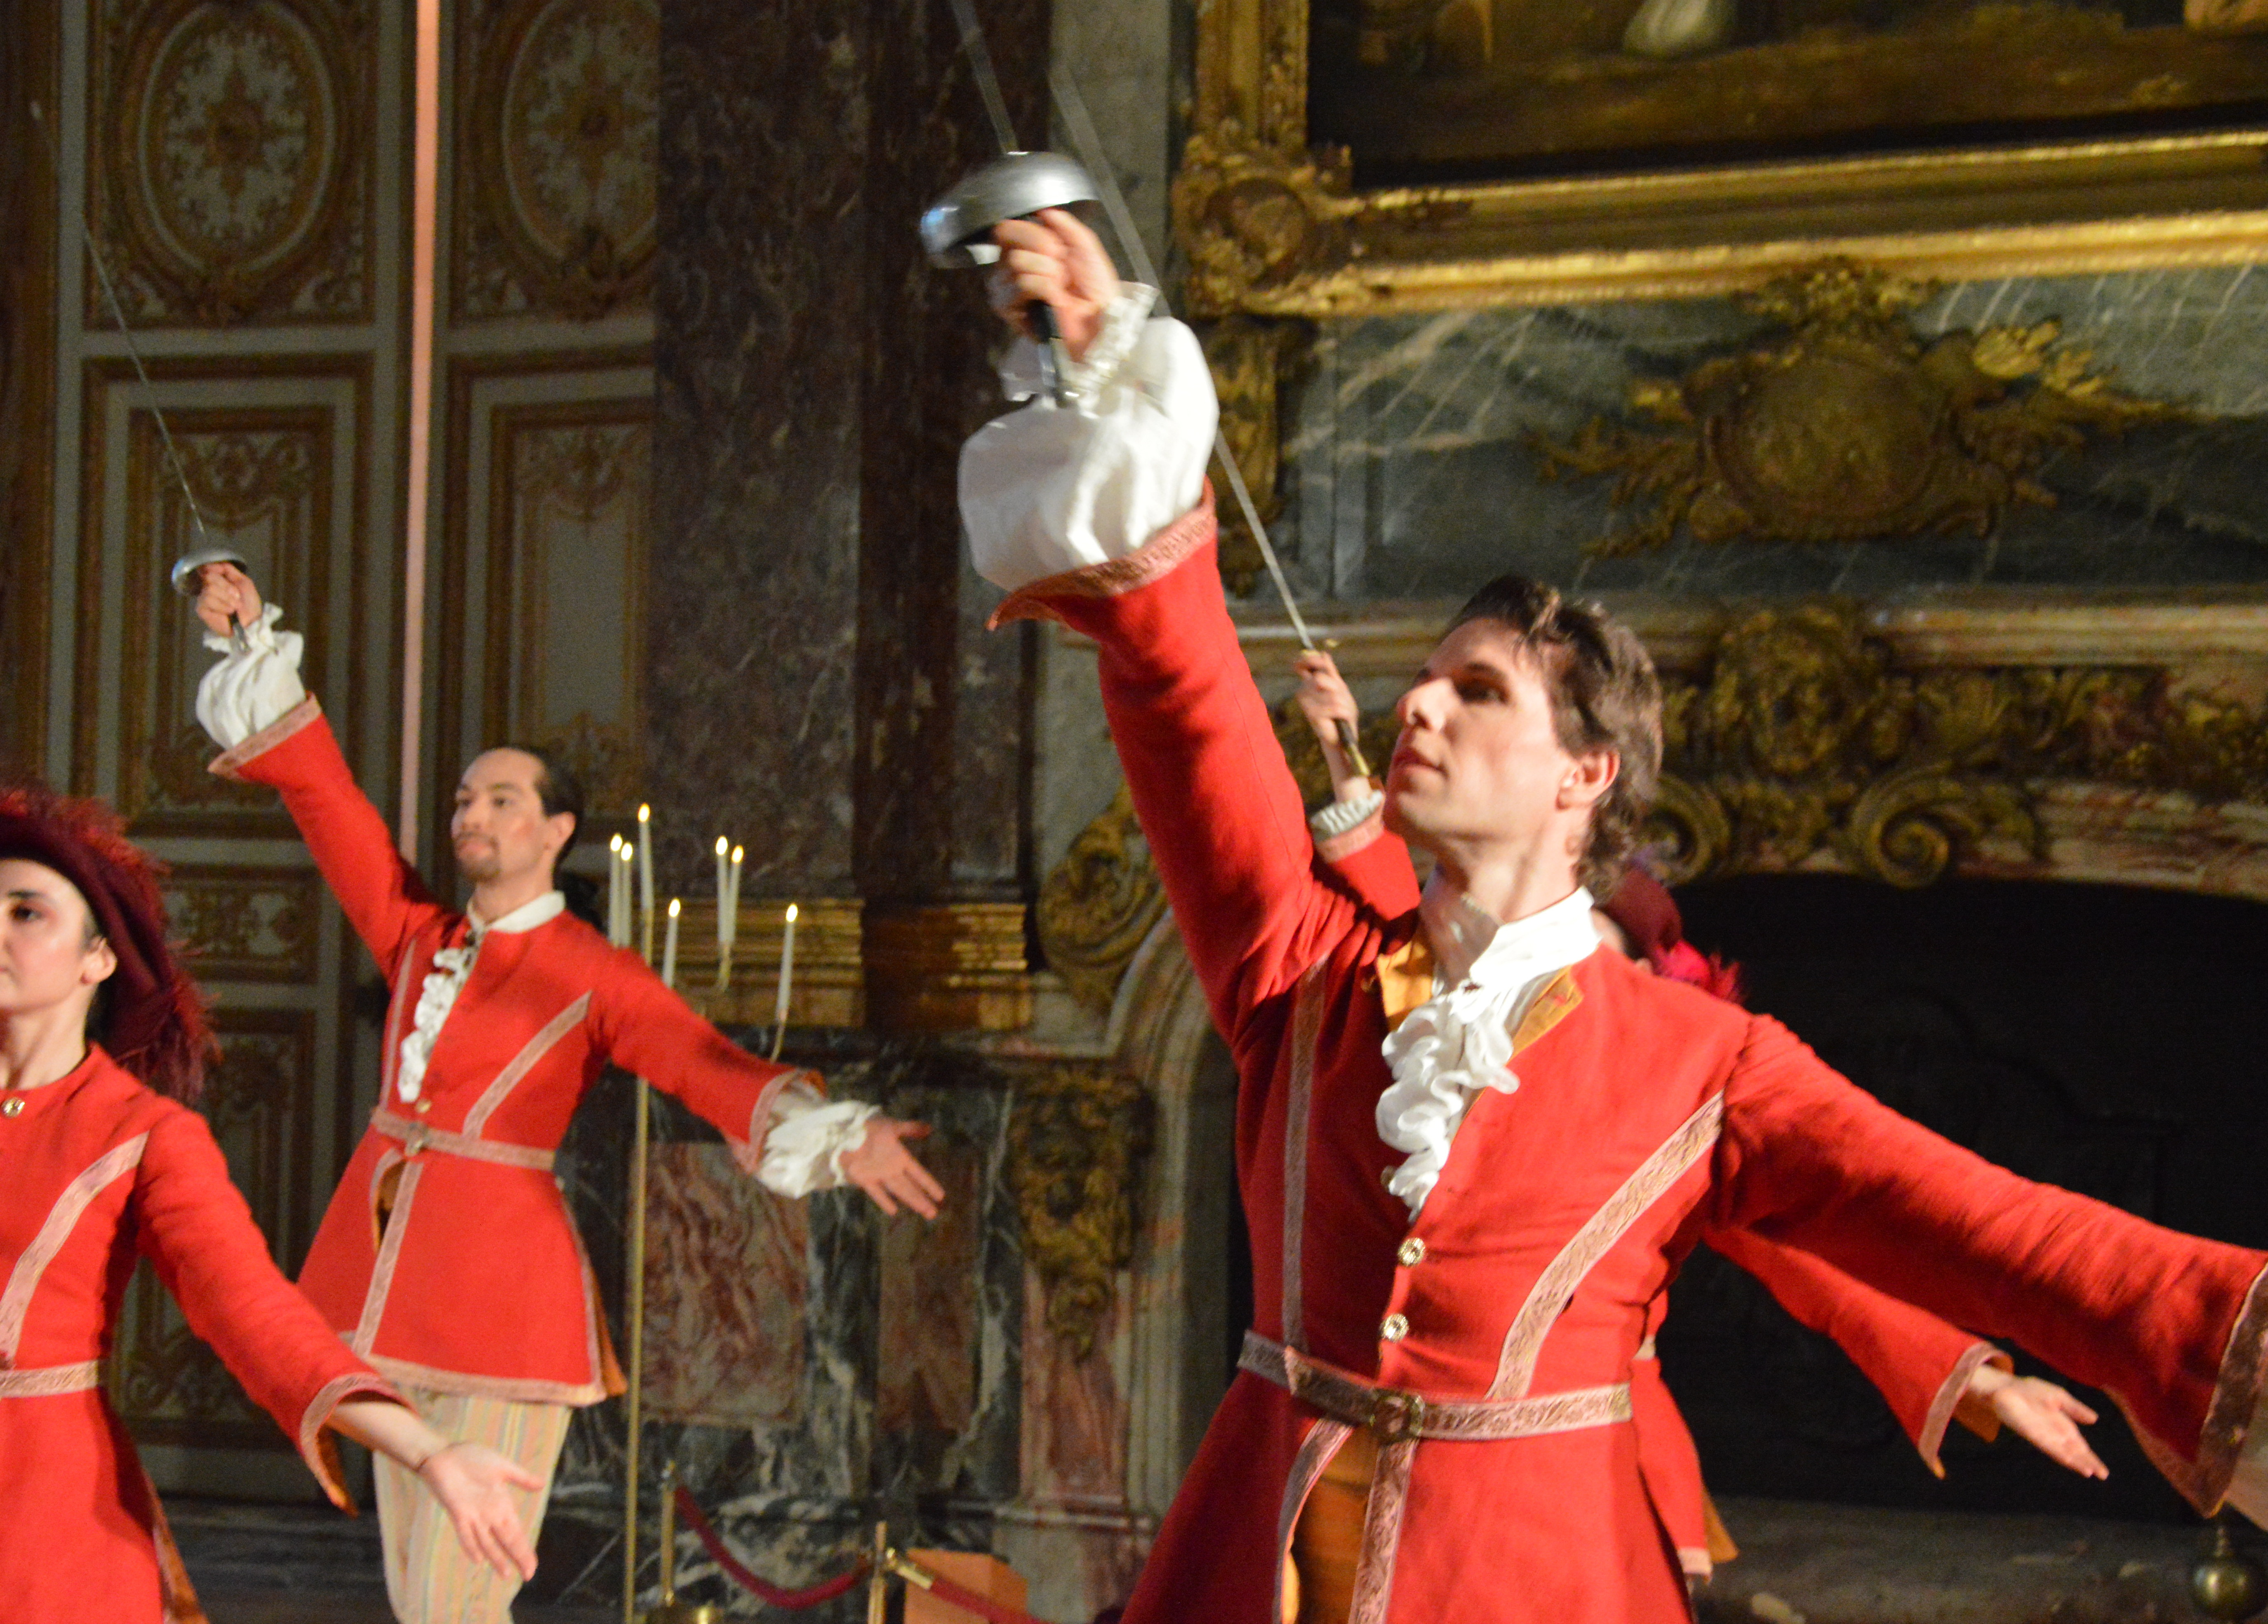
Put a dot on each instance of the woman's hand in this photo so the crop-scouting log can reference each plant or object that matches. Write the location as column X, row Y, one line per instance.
column 474, row 1485
column 1326, row 701
column 1052, row 259
column 229, row 598
column 880, row 1165
column 2041, row 1413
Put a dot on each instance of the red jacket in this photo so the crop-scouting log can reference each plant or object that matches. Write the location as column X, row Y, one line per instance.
column 1920, row 1364
column 480, row 1283
column 1646, row 1112
column 100, row 1172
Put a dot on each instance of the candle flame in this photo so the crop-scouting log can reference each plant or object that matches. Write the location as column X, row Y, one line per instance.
column 615, row 844
column 790, row 913
column 739, row 852
column 645, row 811
column 674, row 905
column 721, row 844
column 628, row 849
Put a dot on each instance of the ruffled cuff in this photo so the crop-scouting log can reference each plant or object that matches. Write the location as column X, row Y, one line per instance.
column 1084, row 380
column 303, row 715
column 319, row 1446
column 1345, row 828
column 809, row 1136
column 256, row 685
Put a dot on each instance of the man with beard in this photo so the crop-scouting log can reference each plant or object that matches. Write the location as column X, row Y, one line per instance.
column 1460, row 1218
column 447, row 1258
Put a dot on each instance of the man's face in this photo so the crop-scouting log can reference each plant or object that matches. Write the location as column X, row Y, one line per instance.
column 499, row 830
column 45, row 955
column 1478, row 761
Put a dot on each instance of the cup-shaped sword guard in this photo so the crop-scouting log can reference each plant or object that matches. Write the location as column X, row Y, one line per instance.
column 956, row 231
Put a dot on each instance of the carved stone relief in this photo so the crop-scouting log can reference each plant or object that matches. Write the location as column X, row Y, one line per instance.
column 560, row 126
column 1804, row 743
column 228, row 179
column 1076, row 1147
column 246, row 924
column 1839, row 423
column 1099, row 904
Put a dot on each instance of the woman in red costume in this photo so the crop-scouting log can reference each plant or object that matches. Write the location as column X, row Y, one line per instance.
column 102, row 1050
column 1931, row 1372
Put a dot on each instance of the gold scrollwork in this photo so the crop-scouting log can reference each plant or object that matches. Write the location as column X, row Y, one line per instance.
column 1099, row 904
column 1249, row 360
column 1842, row 423
column 1077, row 1142
column 1803, row 742
column 1255, row 220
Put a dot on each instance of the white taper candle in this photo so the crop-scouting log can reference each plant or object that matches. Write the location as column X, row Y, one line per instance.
column 669, row 945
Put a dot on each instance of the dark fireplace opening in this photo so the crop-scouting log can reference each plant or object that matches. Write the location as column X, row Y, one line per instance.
column 2106, row 1038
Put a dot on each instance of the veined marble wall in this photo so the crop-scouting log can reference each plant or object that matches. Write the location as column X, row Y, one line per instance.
column 1410, row 472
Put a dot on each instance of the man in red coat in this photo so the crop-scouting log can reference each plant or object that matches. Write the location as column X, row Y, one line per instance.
column 447, row 1258
column 1458, row 1226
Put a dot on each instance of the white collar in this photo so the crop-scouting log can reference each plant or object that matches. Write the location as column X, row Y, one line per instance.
column 1471, row 944
column 526, row 916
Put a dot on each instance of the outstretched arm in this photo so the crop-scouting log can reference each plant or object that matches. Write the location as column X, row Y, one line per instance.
column 777, row 1118
column 1095, row 516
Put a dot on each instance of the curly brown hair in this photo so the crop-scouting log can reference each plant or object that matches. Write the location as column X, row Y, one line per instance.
column 1604, row 696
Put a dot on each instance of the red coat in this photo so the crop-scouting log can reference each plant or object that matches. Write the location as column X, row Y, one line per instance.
column 1646, row 1112
column 101, row 1172
column 480, row 1283
column 1920, row 1364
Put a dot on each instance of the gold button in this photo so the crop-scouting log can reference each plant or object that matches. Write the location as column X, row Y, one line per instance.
column 1412, row 1253
column 424, row 1106
column 14, row 1108
column 1395, row 1329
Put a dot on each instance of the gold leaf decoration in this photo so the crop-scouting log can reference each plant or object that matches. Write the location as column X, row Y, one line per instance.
column 1099, row 904
column 1841, row 423
column 1077, row 1142
column 1804, row 743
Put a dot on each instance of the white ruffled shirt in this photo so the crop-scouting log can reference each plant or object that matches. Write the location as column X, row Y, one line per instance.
column 258, row 682
column 1458, row 1042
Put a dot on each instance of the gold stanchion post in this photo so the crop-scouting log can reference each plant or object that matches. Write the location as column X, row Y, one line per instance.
column 634, row 1325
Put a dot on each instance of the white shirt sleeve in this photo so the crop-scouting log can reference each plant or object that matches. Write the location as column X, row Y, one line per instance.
column 809, row 1136
column 1049, row 489
column 256, row 685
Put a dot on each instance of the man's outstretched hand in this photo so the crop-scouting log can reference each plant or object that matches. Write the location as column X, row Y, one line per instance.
column 2039, row 1412
column 882, row 1167
column 1052, row 259
column 229, row 598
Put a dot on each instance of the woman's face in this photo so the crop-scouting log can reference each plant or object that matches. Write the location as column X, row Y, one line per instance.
column 46, row 958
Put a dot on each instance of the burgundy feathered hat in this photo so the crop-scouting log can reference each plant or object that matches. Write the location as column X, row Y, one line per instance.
column 1643, row 906
column 156, row 1026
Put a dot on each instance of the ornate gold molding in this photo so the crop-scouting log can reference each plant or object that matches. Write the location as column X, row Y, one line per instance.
column 1274, row 226
column 830, row 985
column 951, row 967
column 1842, row 423
column 1099, row 903
column 1805, row 743
column 1077, row 1142
column 1249, row 360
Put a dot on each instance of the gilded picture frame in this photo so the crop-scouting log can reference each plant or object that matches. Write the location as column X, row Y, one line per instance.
column 1277, row 226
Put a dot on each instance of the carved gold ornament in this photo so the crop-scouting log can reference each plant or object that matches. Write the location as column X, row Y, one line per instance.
column 1077, row 1142
column 1842, row 425
column 228, row 139
column 1804, row 744
column 564, row 133
column 1099, row 903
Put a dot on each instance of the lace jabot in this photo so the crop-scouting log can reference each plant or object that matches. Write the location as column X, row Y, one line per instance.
column 453, row 968
column 1458, row 1042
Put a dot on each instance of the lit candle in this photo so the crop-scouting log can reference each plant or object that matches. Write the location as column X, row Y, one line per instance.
column 724, row 914
column 669, row 946
column 622, row 880
column 645, row 880
column 614, row 897
column 734, row 891
column 786, row 980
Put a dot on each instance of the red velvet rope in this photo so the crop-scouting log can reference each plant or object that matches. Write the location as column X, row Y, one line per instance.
column 740, row 1575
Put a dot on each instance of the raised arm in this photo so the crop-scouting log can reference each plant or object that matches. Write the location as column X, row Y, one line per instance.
column 273, row 732
column 1095, row 515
